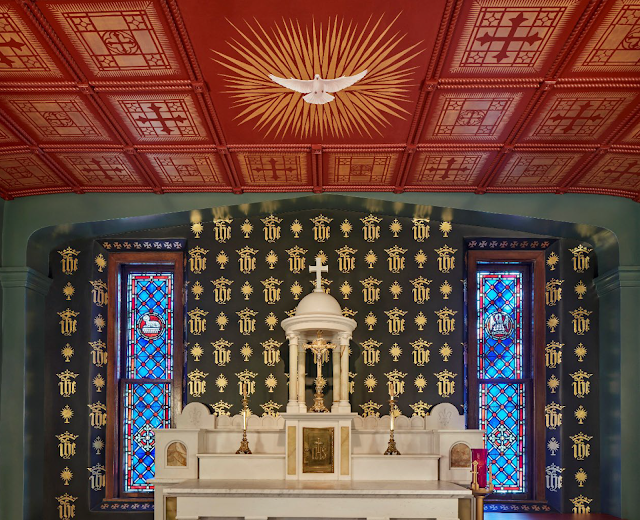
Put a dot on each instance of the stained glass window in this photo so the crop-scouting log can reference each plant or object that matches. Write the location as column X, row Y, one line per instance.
column 147, row 371
column 502, row 376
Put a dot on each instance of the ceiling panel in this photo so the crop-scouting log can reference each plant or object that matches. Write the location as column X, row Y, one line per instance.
column 520, row 96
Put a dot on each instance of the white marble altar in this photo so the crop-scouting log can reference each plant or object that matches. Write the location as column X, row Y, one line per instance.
column 315, row 465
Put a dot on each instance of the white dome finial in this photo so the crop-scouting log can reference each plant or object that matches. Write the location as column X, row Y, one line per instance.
column 318, row 269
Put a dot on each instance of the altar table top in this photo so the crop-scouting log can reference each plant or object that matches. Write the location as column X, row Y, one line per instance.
column 409, row 488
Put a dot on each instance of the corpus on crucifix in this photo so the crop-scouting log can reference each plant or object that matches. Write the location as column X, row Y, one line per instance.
column 320, row 347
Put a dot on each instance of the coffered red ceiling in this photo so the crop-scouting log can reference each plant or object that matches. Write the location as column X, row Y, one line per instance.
column 175, row 95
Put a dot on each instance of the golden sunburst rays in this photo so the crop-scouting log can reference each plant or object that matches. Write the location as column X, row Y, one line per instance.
column 337, row 48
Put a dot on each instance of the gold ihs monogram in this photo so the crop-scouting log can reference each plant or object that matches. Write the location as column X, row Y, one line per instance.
column 346, row 260
column 221, row 352
column 198, row 259
column 197, row 321
column 222, row 229
column 222, row 290
column 370, row 290
column 271, row 228
column 69, row 260
column 197, row 383
column 446, row 260
column 371, row 354
column 553, row 291
column 67, row 445
column 68, row 322
column 420, row 352
column 271, row 352
column 67, row 384
column 296, row 259
column 371, row 228
column 99, row 292
column 553, row 354
column 395, row 258
column 580, row 321
column 321, row 229
column 420, row 289
column 580, row 258
column 581, row 448
column 66, row 508
column 97, row 477
column 446, row 321
column 420, row 229
column 271, row 290
column 581, row 383
column 581, row 505
column 446, row 384
column 98, row 353
column 98, row 415
column 395, row 320
column 553, row 415
column 247, row 321
column 247, row 260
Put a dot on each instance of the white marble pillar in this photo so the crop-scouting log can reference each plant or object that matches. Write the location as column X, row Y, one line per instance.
column 337, row 383
column 344, row 372
column 302, row 405
column 293, row 373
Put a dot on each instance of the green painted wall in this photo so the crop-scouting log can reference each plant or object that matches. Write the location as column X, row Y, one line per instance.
column 611, row 224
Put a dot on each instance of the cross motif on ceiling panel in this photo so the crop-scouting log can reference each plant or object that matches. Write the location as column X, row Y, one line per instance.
column 471, row 115
column 535, row 169
column 502, row 37
column 615, row 171
column 118, row 38
column 365, row 169
column 270, row 168
column 20, row 51
column 615, row 44
column 160, row 118
column 187, row 170
column 58, row 118
column 578, row 116
column 24, row 171
column 102, row 169
column 448, row 169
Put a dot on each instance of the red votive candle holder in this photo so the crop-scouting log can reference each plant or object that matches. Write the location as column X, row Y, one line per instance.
column 481, row 457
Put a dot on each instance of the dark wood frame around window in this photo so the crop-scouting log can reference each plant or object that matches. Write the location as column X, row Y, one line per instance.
column 113, row 488
column 535, row 259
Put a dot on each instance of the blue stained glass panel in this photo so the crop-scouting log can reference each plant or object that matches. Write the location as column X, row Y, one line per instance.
column 148, row 369
column 146, row 407
column 500, row 357
column 502, row 416
column 149, row 326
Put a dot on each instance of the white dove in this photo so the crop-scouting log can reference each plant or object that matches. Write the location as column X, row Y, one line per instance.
column 317, row 89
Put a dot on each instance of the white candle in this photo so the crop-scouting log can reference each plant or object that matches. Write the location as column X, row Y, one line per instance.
column 244, row 419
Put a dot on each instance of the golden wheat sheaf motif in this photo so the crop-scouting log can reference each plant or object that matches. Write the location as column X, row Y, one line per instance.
column 339, row 48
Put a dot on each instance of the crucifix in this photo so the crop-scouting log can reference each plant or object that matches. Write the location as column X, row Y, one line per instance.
column 319, row 347
column 318, row 268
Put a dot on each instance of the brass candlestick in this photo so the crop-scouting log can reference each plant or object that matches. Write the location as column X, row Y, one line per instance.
column 319, row 347
column 478, row 492
column 391, row 446
column 244, row 443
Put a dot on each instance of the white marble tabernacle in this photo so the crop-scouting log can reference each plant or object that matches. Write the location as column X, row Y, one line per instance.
column 315, row 465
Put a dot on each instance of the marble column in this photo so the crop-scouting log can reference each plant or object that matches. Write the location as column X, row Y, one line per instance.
column 344, row 373
column 293, row 372
column 337, row 383
column 302, row 405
